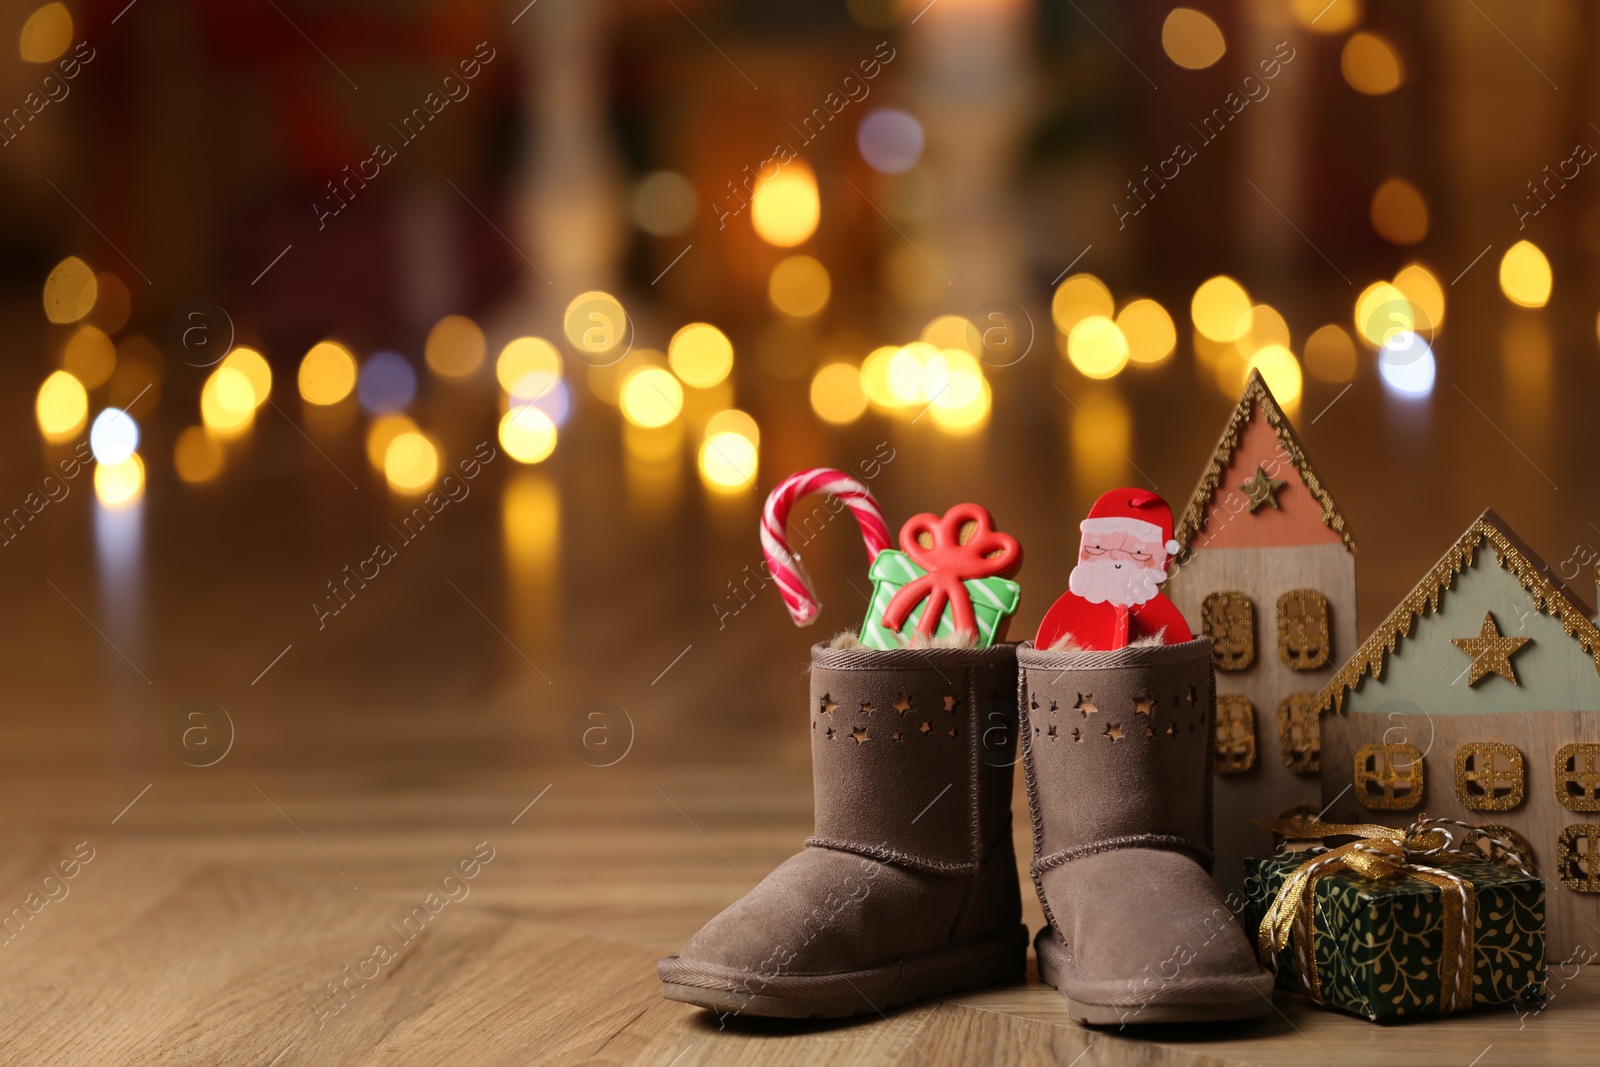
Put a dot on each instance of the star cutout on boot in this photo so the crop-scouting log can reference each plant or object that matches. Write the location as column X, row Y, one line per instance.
column 1491, row 653
column 895, row 736
column 860, row 735
column 867, row 707
column 1077, row 735
column 1191, row 695
column 1144, row 705
column 827, row 704
column 830, row 733
column 1085, row 704
column 1114, row 731
column 950, row 703
column 902, row 704
column 1149, row 731
column 955, row 732
column 926, row 728
column 1052, row 734
column 1172, row 729
column 1033, row 702
column 1262, row 490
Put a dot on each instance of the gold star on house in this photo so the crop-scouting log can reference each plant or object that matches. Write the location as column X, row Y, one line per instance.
column 1144, row 705
column 1490, row 652
column 1261, row 490
column 902, row 705
column 860, row 735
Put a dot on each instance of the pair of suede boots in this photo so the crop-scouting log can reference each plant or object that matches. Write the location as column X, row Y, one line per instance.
column 909, row 887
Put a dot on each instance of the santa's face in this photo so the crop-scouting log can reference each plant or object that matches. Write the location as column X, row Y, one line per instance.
column 1118, row 568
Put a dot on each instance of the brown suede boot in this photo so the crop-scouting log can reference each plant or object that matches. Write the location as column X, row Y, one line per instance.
column 1117, row 751
column 909, row 888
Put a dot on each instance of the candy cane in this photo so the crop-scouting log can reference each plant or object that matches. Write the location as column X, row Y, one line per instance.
column 794, row 584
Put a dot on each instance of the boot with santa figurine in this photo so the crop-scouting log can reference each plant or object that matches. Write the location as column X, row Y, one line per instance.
column 1116, row 720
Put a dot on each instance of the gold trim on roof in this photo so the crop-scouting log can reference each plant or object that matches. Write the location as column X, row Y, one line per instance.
column 1550, row 596
column 1256, row 392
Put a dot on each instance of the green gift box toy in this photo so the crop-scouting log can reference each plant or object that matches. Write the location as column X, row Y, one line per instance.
column 993, row 599
column 1398, row 924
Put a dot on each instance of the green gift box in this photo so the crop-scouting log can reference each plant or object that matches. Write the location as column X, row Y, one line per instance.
column 1379, row 946
column 992, row 600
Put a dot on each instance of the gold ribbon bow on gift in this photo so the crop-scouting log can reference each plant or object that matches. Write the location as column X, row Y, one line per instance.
column 1422, row 850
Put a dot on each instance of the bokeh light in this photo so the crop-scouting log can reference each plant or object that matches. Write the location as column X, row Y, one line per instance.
column 89, row 356
column 1327, row 16
column 1371, row 64
column 875, row 377
column 1267, row 327
column 786, row 208
column 664, row 203
column 1382, row 311
column 950, row 331
column 799, row 286
column 387, row 383
column 527, row 434
column 651, row 397
column 253, row 365
column 701, row 355
column 455, row 347
column 524, row 356
column 114, row 436
column 119, row 484
column 1330, row 355
column 46, row 34
column 1407, row 366
column 544, row 391
column 729, row 461
column 1221, row 309
column 327, row 373
column 69, row 291
column 958, row 395
column 1525, row 275
column 836, row 393
column 411, row 462
column 62, row 407
column 1399, row 213
column 384, row 430
column 1280, row 370
column 732, row 420
column 197, row 456
column 1097, row 348
column 595, row 323
column 1077, row 298
column 1149, row 331
column 890, row 140
column 1426, row 295
column 1191, row 39
column 227, row 401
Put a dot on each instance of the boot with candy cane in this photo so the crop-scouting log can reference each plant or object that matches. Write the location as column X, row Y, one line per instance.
column 908, row 888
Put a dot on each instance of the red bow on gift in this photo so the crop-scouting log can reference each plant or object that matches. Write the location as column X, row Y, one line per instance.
column 949, row 562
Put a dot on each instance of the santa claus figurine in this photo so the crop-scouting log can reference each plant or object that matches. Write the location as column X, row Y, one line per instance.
column 1112, row 597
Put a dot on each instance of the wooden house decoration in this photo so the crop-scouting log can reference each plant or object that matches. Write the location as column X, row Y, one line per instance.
column 1266, row 568
column 1478, row 699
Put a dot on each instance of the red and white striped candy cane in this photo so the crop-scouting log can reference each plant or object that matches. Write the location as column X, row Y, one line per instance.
column 794, row 584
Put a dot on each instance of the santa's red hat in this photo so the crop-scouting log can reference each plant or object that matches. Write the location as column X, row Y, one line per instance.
column 1132, row 511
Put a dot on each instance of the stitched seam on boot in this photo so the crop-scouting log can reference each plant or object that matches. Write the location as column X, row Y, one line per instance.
column 1170, row 842
column 1030, row 781
column 884, row 854
column 974, row 808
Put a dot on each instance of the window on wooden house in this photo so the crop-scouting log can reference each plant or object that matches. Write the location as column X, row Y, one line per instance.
column 1388, row 777
column 1578, row 858
column 1229, row 619
column 1300, row 734
column 1578, row 777
column 1234, row 739
column 1490, row 776
column 1303, row 629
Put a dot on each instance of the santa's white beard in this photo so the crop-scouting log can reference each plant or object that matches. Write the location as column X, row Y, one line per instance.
column 1101, row 582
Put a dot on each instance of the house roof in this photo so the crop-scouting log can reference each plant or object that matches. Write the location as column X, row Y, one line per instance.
column 1256, row 394
column 1549, row 594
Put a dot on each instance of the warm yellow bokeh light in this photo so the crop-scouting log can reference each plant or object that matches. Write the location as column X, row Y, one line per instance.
column 62, row 407
column 953, row 380
column 1077, row 298
column 46, row 34
column 1327, row 16
column 1331, row 355
column 1280, row 370
column 1267, row 327
column 1525, row 275
column 700, row 354
column 1399, row 213
column 522, row 357
column 971, row 414
column 732, row 420
column 251, row 364
column 384, row 429
column 327, row 373
column 227, row 401
column 455, row 347
column 1097, row 348
column 116, row 484
column 1149, row 331
column 1221, row 309
column 799, row 286
column 651, row 397
column 837, row 395
column 198, row 456
column 70, row 291
column 875, row 377
column 785, row 208
column 411, row 462
column 1191, row 39
column 949, row 331
column 1381, row 312
column 1371, row 64
column 595, row 323
column 89, row 356
column 1426, row 295
column 728, row 461
column 527, row 434
column 905, row 373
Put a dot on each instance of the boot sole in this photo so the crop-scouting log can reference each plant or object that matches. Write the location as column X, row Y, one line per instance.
column 728, row 991
column 1248, row 997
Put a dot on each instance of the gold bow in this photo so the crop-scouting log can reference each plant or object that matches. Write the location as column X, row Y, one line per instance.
column 1382, row 852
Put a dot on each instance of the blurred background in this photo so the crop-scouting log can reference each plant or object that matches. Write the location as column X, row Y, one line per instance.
column 595, row 275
